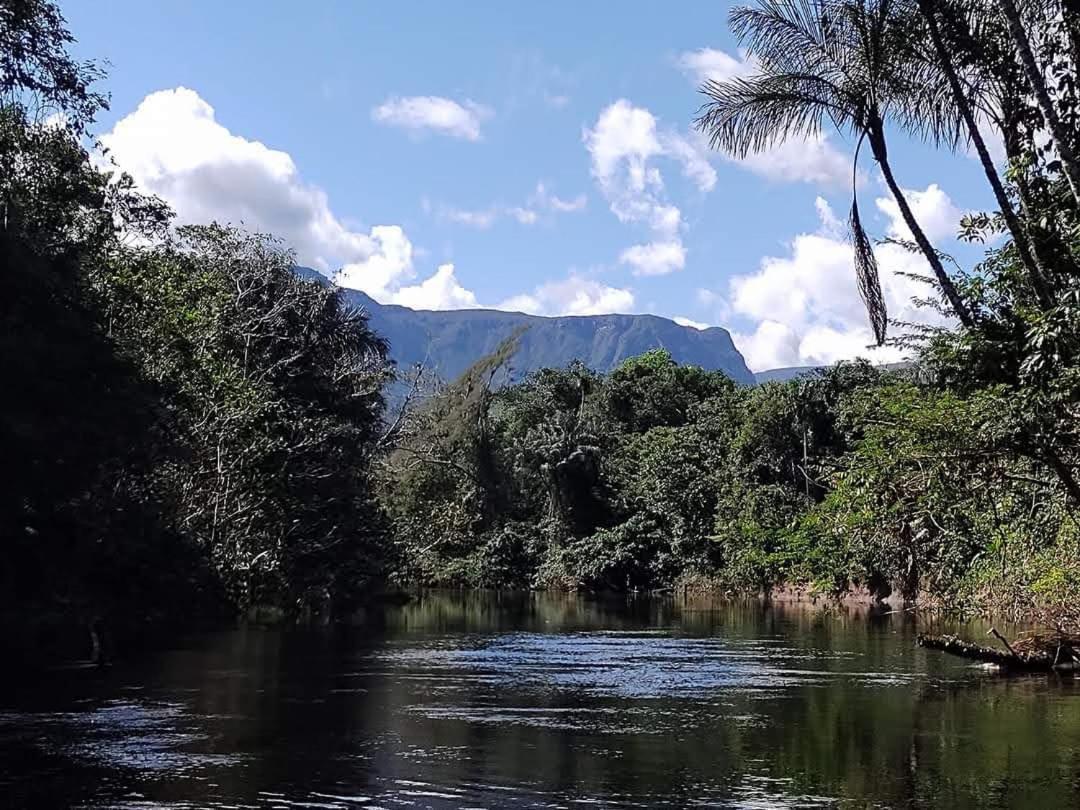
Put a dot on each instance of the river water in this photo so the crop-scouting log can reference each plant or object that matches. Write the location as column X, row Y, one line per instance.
column 547, row 701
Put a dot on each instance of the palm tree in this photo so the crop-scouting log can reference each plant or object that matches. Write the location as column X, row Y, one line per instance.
column 823, row 61
column 965, row 108
column 1062, row 141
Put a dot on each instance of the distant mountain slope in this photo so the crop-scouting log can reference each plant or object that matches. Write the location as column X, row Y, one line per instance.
column 450, row 341
column 792, row 372
column 784, row 374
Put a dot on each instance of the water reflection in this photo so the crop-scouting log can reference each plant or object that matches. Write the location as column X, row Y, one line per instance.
column 487, row 700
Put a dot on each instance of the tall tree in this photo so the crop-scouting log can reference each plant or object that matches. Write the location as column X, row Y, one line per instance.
column 1037, row 273
column 1063, row 140
column 823, row 61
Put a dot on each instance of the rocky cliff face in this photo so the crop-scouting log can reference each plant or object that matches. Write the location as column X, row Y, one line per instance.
column 450, row 341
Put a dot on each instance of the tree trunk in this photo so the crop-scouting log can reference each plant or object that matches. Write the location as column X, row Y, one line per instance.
column 1014, row 155
column 1039, row 660
column 1064, row 473
column 877, row 146
column 1020, row 237
column 1070, row 164
column 1070, row 11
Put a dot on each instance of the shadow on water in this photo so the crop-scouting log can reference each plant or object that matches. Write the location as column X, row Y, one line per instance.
column 548, row 700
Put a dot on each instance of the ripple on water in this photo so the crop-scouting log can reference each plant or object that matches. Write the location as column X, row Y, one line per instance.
column 126, row 734
column 629, row 665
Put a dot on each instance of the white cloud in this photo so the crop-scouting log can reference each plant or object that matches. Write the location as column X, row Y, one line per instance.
column 572, row 296
column 174, row 147
column 525, row 216
column 623, row 146
column 936, row 214
column 540, row 204
column 443, row 116
column 578, row 203
column 801, row 160
column 830, row 223
column 709, row 64
column 693, row 154
column 805, row 308
column 481, row 220
column 681, row 321
column 655, row 258
column 383, row 269
column 771, row 345
column 811, row 160
column 440, row 291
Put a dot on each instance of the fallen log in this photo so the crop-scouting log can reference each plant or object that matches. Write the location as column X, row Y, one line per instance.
column 1035, row 654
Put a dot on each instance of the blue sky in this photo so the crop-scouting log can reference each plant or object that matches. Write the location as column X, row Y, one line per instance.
column 528, row 156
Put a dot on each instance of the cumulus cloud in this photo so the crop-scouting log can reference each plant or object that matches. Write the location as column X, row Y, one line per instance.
column 173, row 146
column 574, row 295
column 440, row 291
column 804, row 307
column 624, row 145
column 709, row 64
column 382, row 270
column 936, row 214
column 811, row 160
column 442, row 116
column 655, row 258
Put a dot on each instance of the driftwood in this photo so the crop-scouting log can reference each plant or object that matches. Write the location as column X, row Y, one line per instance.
column 1032, row 653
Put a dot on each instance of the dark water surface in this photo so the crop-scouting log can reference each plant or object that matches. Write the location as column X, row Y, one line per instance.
column 547, row 701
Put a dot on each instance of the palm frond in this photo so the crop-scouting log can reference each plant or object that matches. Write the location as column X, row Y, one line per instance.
column 869, row 279
column 799, row 34
column 747, row 115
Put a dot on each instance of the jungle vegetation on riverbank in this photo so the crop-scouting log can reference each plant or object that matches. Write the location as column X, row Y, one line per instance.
column 189, row 429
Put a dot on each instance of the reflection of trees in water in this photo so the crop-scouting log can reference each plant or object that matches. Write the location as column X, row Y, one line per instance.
column 872, row 731
column 474, row 696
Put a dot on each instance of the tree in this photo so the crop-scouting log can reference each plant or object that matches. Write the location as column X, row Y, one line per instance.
column 1063, row 140
column 1028, row 256
column 819, row 61
column 275, row 392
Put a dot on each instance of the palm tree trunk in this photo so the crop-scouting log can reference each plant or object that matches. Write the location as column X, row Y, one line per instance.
column 1014, row 154
column 1070, row 164
column 1020, row 237
column 877, row 146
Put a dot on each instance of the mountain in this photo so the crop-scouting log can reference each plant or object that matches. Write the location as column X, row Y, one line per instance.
column 793, row 372
column 449, row 341
column 784, row 374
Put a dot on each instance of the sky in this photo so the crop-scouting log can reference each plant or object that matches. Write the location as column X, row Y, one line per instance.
column 536, row 157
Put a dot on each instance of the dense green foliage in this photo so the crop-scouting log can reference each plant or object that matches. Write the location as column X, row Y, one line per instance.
column 187, row 427
column 956, row 481
column 191, row 428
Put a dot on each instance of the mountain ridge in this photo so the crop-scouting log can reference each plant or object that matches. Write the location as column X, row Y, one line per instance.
column 449, row 341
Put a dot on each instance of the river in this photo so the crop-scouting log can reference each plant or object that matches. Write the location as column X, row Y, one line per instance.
column 547, row 701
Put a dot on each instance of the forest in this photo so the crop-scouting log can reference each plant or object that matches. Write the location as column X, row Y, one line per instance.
column 191, row 432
